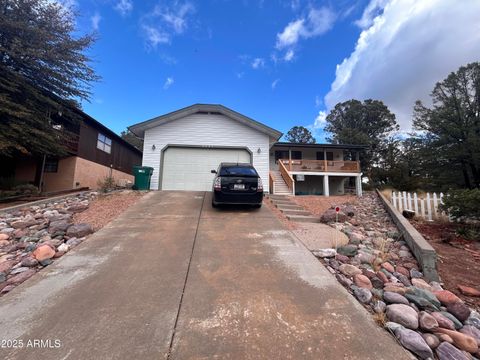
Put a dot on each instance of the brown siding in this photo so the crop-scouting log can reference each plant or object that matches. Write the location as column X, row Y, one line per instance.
column 63, row 178
column 121, row 157
column 89, row 173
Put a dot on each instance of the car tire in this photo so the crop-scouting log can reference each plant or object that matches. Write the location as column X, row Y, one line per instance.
column 214, row 205
column 257, row 206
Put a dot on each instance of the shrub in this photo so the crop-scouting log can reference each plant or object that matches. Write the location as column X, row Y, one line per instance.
column 462, row 205
column 106, row 184
column 26, row 189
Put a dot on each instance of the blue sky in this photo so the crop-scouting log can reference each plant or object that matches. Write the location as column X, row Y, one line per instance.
column 283, row 63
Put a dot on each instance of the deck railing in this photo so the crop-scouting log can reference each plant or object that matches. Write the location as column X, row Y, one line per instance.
column 271, row 182
column 287, row 177
column 320, row 165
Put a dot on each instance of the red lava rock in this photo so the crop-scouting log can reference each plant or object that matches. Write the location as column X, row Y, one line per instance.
column 446, row 297
column 342, row 258
column 6, row 265
column 410, row 266
column 421, row 284
column 395, row 289
column 4, row 242
column 382, row 277
column 4, row 236
column 43, row 252
column 368, row 273
column 362, row 281
column 19, row 278
column 469, row 291
column 389, row 267
column 403, row 271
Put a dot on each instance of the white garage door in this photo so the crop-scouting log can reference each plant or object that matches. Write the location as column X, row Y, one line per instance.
column 189, row 168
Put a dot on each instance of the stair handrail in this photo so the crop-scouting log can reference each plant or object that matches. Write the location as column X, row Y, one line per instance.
column 287, row 177
column 271, row 179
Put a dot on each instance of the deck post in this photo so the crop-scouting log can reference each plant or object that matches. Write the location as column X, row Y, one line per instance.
column 358, row 185
column 326, row 189
column 289, row 159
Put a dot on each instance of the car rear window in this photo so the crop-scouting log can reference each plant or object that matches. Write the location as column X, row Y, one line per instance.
column 238, row 171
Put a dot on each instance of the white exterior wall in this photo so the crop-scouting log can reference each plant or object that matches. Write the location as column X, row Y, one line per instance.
column 205, row 130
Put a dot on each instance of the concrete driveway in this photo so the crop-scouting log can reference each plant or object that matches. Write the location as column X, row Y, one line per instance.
column 173, row 278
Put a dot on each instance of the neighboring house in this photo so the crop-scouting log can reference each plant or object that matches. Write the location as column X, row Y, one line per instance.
column 183, row 146
column 95, row 153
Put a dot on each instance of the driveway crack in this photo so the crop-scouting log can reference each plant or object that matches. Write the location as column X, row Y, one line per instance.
column 172, row 339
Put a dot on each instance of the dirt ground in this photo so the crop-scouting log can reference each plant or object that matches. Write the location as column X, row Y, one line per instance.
column 107, row 207
column 458, row 259
column 317, row 205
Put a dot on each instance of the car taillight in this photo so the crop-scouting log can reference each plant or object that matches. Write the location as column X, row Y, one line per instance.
column 260, row 185
column 217, row 185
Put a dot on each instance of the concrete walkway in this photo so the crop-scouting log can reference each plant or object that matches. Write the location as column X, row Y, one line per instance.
column 174, row 278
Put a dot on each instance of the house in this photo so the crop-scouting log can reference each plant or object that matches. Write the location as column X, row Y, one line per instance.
column 183, row 146
column 94, row 153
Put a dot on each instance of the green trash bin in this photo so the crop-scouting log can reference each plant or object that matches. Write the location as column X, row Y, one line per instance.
column 142, row 177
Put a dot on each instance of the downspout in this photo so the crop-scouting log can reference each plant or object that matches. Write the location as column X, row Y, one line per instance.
column 40, row 186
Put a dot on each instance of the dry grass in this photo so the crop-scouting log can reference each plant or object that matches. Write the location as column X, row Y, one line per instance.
column 380, row 319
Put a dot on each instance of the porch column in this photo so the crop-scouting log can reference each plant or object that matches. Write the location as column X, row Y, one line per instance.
column 326, row 189
column 325, row 158
column 289, row 159
column 358, row 185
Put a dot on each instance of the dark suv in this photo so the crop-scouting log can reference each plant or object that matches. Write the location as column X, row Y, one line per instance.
column 237, row 183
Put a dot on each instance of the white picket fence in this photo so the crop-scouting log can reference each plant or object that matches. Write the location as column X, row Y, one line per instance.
column 426, row 207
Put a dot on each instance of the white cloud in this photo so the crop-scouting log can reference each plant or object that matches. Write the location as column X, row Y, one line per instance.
column 315, row 23
column 289, row 55
column 318, row 101
column 407, row 49
column 95, row 19
column 168, row 82
column 155, row 36
column 320, row 120
column 124, row 7
column 258, row 63
column 373, row 9
column 275, row 83
column 164, row 22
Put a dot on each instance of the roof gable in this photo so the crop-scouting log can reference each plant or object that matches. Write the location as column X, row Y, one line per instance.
column 140, row 128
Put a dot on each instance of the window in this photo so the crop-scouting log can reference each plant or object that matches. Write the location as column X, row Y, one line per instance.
column 321, row 155
column 283, row 154
column 104, row 143
column 238, row 171
column 51, row 165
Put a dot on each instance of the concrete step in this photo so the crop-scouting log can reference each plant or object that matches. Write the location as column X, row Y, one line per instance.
column 288, row 207
column 282, row 202
column 296, row 212
column 277, row 197
column 303, row 218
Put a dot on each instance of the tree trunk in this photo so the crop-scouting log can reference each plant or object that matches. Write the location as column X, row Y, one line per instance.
column 466, row 176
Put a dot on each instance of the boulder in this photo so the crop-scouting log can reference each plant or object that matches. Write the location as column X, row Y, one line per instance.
column 43, row 252
column 77, row 207
column 6, row 265
column 446, row 351
column 455, row 321
column 79, row 230
column 379, row 306
column 394, row 298
column 403, row 315
column 473, row 319
column 63, row 248
column 468, row 291
column 414, row 342
column 362, row 281
column 431, row 340
column 4, row 236
column 459, row 310
column 29, row 261
column 349, row 270
column 21, row 224
column 426, row 321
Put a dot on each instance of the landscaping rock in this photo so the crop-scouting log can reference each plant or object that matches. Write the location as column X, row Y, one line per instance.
column 446, row 297
column 459, row 310
column 348, row 250
column 379, row 306
column 455, row 321
column 63, row 248
column 43, row 252
column 349, row 270
column 431, row 340
column 60, row 225
column 471, row 331
column 4, row 237
column 468, row 291
column 414, row 342
column 421, row 284
column 427, row 322
column 19, row 278
column 29, row 261
column 79, row 230
column 325, row 253
column 403, row 315
column 362, row 281
column 443, row 321
column 363, row 295
column 389, row 267
column 394, row 298
column 330, row 216
column 461, row 341
column 473, row 319
column 446, row 351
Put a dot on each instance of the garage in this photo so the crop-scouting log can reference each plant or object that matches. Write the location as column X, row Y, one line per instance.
column 188, row 168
